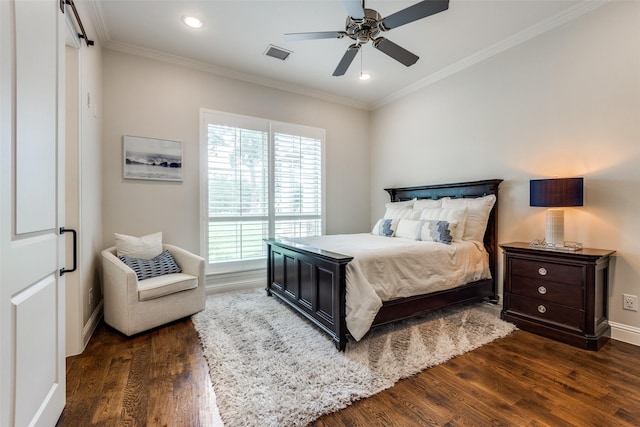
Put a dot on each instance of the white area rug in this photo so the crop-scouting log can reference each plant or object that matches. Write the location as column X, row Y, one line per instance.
column 269, row 367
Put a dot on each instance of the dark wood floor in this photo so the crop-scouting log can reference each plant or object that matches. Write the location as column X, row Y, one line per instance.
column 160, row 379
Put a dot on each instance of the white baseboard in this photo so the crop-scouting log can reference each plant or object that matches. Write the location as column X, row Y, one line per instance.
column 242, row 280
column 91, row 325
column 625, row 333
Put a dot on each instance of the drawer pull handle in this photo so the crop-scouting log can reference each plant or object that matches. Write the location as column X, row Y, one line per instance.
column 542, row 309
column 542, row 271
column 542, row 290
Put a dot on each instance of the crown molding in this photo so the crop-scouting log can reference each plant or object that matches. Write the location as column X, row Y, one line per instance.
column 97, row 17
column 94, row 8
column 514, row 40
column 232, row 74
column 100, row 25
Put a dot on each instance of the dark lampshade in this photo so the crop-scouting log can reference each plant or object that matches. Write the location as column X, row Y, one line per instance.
column 556, row 192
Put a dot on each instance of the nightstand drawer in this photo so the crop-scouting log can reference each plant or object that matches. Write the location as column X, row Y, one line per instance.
column 561, row 273
column 547, row 312
column 545, row 290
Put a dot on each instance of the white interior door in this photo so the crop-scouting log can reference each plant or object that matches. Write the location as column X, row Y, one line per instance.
column 32, row 345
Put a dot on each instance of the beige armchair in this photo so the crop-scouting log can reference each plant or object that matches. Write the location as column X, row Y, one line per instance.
column 133, row 306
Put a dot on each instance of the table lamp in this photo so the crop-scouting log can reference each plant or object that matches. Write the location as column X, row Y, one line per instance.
column 556, row 194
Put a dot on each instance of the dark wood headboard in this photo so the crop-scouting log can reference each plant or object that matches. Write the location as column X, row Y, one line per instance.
column 457, row 190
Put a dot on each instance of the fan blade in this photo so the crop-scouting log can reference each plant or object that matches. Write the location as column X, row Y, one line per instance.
column 315, row 35
column 354, row 8
column 346, row 60
column 398, row 53
column 413, row 13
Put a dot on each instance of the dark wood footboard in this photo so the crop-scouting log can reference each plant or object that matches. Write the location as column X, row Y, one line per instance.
column 405, row 308
column 313, row 282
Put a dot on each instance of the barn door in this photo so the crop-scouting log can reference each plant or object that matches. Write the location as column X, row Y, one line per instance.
column 32, row 345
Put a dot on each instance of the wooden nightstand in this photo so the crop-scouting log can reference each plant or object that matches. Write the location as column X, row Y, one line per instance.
column 558, row 294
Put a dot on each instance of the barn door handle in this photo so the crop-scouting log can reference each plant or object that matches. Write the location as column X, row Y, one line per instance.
column 75, row 250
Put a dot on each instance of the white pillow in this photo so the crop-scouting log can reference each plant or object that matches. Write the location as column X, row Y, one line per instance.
column 478, row 210
column 385, row 227
column 422, row 204
column 427, row 203
column 457, row 216
column 403, row 204
column 408, row 229
column 146, row 247
column 397, row 213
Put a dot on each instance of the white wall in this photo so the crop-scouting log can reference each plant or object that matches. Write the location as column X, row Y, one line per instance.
column 83, row 186
column 91, row 213
column 564, row 104
column 151, row 98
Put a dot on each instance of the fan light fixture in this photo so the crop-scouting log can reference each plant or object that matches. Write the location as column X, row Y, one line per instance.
column 363, row 75
column 365, row 25
column 192, row 21
column 554, row 194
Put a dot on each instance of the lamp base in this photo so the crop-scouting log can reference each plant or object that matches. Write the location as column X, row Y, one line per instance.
column 564, row 246
column 555, row 226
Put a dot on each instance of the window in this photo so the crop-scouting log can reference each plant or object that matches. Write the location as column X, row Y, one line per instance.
column 264, row 179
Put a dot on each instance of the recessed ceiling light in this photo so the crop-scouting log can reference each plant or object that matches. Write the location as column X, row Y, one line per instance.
column 192, row 21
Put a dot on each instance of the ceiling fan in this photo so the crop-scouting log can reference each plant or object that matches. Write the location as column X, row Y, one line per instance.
column 364, row 25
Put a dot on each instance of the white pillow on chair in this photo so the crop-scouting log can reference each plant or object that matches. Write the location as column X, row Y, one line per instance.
column 146, row 247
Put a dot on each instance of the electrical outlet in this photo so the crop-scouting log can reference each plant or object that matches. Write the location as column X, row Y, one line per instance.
column 630, row 302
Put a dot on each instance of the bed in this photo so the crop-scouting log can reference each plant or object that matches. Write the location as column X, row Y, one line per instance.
column 313, row 281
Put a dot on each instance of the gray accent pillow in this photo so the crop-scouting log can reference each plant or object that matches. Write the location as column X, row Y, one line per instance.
column 385, row 227
column 148, row 268
column 436, row 231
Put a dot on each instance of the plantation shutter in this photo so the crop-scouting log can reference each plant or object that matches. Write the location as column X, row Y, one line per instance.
column 297, row 182
column 264, row 179
column 238, row 198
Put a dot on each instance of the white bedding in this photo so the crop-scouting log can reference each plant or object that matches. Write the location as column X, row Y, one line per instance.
column 385, row 268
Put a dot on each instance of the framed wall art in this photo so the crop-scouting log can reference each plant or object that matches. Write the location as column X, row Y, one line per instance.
column 151, row 158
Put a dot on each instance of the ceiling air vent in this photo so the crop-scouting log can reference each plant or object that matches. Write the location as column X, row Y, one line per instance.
column 277, row 52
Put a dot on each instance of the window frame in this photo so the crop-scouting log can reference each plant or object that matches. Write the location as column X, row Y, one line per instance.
column 272, row 126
